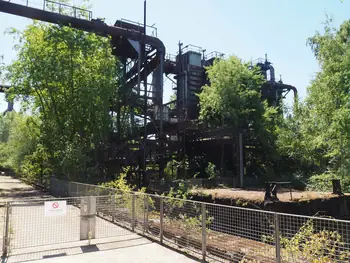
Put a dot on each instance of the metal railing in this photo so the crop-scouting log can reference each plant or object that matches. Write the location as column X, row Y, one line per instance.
column 56, row 7
column 64, row 9
column 214, row 54
column 219, row 232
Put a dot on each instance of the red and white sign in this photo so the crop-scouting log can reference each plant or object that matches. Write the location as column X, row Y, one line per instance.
column 56, row 208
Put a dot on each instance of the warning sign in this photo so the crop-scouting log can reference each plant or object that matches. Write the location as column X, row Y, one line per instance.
column 56, row 208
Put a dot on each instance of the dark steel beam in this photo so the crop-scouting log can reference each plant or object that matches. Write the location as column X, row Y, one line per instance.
column 97, row 27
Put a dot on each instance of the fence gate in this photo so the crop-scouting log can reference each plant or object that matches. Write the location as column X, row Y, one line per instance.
column 34, row 223
column 43, row 222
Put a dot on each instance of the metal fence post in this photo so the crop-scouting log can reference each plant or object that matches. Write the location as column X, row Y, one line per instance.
column 204, row 232
column 133, row 212
column 114, row 193
column 69, row 189
column 145, row 214
column 161, row 220
column 277, row 239
column 6, row 238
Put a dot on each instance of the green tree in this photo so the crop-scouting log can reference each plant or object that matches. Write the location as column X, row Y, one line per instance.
column 68, row 79
column 233, row 99
column 317, row 135
column 18, row 138
column 328, row 100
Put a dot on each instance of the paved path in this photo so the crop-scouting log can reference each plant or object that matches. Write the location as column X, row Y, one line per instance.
column 14, row 189
column 131, row 249
column 35, row 237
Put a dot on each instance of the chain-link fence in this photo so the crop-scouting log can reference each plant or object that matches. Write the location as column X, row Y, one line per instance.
column 208, row 231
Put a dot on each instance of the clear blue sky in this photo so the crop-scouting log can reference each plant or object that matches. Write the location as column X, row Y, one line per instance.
column 246, row 28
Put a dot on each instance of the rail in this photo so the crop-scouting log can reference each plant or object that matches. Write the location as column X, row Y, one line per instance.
column 153, row 29
column 64, row 9
column 57, row 7
column 219, row 232
column 214, row 54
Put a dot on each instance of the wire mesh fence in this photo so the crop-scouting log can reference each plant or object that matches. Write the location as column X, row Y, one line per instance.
column 208, row 231
column 313, row 239
column 29, row 227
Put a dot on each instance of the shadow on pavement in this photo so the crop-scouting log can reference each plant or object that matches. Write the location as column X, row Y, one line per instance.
column 39, row 254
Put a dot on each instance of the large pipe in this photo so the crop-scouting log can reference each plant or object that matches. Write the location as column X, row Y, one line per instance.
column 272, row 73
column 99, row 28
column 160, row 99
column 294, row 89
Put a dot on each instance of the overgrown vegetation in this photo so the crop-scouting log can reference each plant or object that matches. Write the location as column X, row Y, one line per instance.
column 67, row 80
column 67, row 83
column 314, row 138
column 308, row 244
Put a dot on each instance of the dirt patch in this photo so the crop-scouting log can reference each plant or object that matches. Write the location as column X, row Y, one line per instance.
column 284, row 195
column 224, row 246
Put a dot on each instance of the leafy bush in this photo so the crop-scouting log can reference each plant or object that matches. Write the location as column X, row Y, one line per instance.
column 307, row 245
column 210, row 170
column 120, row 183
column 323, row 182
column 123, row 195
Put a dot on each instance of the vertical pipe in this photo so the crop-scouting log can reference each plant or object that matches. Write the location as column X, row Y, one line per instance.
column 161, row 212
column 161, row 65
column 139, row 70
column 145, row 98
column 144, row 16
column 277, row 239
column 161, row 135
column 241, row 163
column 204, row 232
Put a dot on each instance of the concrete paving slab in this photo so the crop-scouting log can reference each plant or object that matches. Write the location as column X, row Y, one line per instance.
column 37, row 238
column 130, row 249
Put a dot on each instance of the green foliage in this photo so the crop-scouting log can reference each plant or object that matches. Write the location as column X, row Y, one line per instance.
column 171, row 169
column 123, row 194
column 120, row 183
column 233, row 95
column 18, row 139
column 181, row 192
column 211, row 171
column 307, row 245
column 172, row 98
column 67, row 78
column 315, row 139
column 313, row 246
column 233, row 100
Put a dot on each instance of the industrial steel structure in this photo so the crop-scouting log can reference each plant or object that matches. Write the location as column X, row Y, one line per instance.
column 158, row 131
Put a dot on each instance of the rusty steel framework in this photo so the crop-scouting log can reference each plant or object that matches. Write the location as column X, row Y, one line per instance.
column 158, row 132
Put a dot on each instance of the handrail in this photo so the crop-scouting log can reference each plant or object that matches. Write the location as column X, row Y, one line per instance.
column 75, row 9
column 101, row 29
